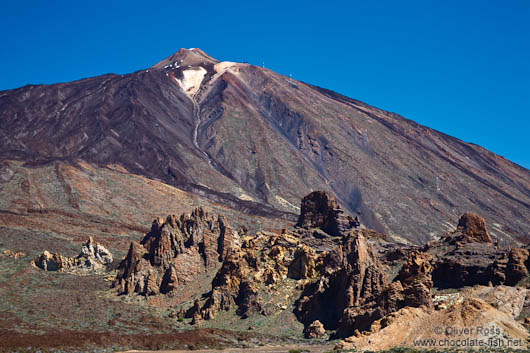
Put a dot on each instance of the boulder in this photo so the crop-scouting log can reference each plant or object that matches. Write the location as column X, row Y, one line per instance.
column 314, row 330
column 473, row 228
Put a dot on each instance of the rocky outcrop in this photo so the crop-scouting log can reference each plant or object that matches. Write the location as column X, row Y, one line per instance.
column 174, row 252
column 52, row 262
column 93, row 256
column 261, row 260
column 411, row 288
column 415, row 276
column 467, row 257
column 314, row 330
column 410, row 326
column 517, row 266
column 473, row 228
column 303, row 265
column 351, row 277
column 12, row 254
column 321, row 210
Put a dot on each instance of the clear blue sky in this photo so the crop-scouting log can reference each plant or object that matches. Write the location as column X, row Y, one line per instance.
column 461, row 67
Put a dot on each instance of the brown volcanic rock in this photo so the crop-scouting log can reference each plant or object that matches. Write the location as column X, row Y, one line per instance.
column 473, row 228
column 411, row 289
column 468, row 264
column 517, row 266
column 314, row 330
column 173, row 252
column 321, row 210
column 352, row 276
column 303, row 265
column 261, row 259
column 248, row 300
column 467, row 258
column 418, row 264
column 52, row 262
column 415, row 275
column 93, row 256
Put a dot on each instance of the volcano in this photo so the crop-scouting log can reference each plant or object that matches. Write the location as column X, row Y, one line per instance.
column 253, row 141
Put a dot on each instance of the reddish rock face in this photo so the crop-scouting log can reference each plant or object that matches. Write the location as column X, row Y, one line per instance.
column 473, row 228
column 173, row 252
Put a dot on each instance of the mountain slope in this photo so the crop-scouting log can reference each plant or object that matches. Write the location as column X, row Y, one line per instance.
column 259, row 142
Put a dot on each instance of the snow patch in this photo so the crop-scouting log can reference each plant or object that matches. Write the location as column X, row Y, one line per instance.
column 191, row 80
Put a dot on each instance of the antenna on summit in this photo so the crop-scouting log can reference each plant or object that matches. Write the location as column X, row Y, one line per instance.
column 263, row 64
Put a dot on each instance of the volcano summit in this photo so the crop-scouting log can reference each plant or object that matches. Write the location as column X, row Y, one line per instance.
column 247, row 137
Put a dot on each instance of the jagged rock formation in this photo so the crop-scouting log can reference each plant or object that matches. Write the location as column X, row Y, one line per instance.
column 409, row 326
column 463, row 258
column 93, row 256
column 338, row 276
column 467, row 257
column 415, row 276
column 411, row 288
column 269, row 259
column 262, row 259
column 321, row 210
column 345, row 284
column 173, row 252
column 351, row 277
